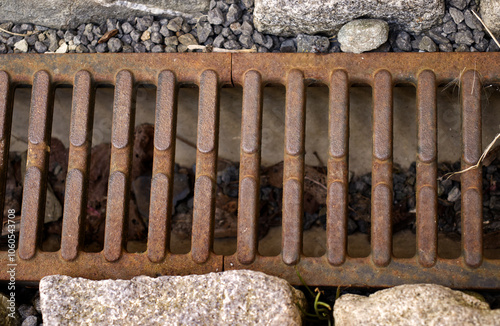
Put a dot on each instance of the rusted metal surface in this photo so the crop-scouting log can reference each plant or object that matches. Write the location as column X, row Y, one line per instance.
column 253, row 72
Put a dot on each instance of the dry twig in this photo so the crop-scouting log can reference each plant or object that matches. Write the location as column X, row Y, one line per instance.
column 16, row 34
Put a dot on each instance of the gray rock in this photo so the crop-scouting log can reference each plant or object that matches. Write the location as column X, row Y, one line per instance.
column 216, row 17
column 187, row 39
column 288, row 46
column 233, row 14
column 462, row 26
column 471, row 20
column 203, row 30
column 363, row 35
column 40, row 47
column 143, row 23
column 83, row 49
column 426, row 44
column 175, row 24
column 449, row 27
column 115, row 45
column 482, row 45
column 454, row 194
column 156, row 38
column 60, row 13
column 460, row 4
column 246, row 41
column 100, row 48
column 246, row 28
column 232, row 45
column 157, row 48
column 247, row 3
column 135, row 35
column 30, row 321
column 312, row 44
column 446, row 47
column 21, row 45
column 218, row 41
column 170, row 49
column 457, row 15
column 414, row 304
column 26, row 310
column 464, row 37
column 138, row 48
column 493, row 47
column 211, row 299
column 289, row 18
column 171, row 40
column 490, row 13
column 437, row 37
column 127, row 28
column 403, row 41
column 165, row 31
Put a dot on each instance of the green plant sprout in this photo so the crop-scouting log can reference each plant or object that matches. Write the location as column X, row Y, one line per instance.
column 322, row 310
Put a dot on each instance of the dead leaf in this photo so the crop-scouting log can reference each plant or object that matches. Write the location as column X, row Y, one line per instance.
column 107, row 36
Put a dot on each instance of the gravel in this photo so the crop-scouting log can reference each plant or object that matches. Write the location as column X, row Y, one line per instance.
column 229, row 24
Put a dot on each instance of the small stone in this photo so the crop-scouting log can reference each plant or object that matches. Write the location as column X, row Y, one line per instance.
column 114, row 45
column 247, row 3
column 233, row 14
column 288, row 46
column 224, row 7
column 471, row 20
column 26, row 310
column 156, row 38
column 63, row 48
column 235, row 28
column 403, row 41
column 21, row 45
column 165, row 31
column 101, row 48
column 462, row 48
column 155, row 27
column 111, row 24
column 246, row 41
column 478, row 36
column 126, row 48
column 414, row 304
column 139, row 48
column 143, row 23
column 203, row 31
column 30, row 321
column 148, row 44
column 363, row 35
column 449, row 27
column 211, row 299
column 40, row 47
column 175, row 24
column 170, row 49
column 312, row 44
column 157, row 48
column 81, row 49
column 27, row 27
column 232, row 45
column 31, row 39
column 146, row 35
column 135, row 35
column 42, row 37
column 482, row 46
column 127, row 28
column 446, row 47
column 493, row 47
column 457, row 15
column 127, row 39
column 172, row 40
column 187, row 39
column 459, row 4
column 216, row 17
column 219, row 41
column 3, row 49
column 454, row 195
column 186, row 28
column 437, row 37
column 246, row 28
column 464, row 37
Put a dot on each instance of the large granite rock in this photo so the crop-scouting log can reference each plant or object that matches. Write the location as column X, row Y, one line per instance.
column 363, row 35
column 227, row 298
column 291, row 17
column 490, row 12
column 60, row 13
column 414, row 304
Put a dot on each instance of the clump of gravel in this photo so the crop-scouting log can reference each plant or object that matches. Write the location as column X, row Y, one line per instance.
column 229, row 25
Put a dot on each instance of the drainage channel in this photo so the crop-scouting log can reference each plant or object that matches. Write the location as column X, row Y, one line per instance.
column 252, row 72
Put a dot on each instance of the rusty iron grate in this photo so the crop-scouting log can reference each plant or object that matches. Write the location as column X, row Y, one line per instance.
column 253, row 72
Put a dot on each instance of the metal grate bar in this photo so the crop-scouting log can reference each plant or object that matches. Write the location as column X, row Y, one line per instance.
column 250, row 151
column 381, row 232
column 206, row 168
column 293, row 170
column 34, row 190
column 338, row 168
column 427, row 169
column 120, row 166
column 160, row 211
column 80, row 139
column 472, row 182
column 5, row 128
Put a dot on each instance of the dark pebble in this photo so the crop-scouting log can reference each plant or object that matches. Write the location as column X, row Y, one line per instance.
column 40, row 47
column 464, row 37
column 143, row 23
column 127, row 28
column 471, row 20
column 219, row 41
column 115, row 44
column 457, row 15
column 246, row 41
column 135, row 35
column 100, row 48
column 139, row 48
column 216, row 17
column 449, row 27
column 288, row 46
column 403, row 41
column 233, row 14
column 157, row 48
column 156, row 38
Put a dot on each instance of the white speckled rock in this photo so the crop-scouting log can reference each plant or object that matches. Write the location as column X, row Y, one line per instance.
column 227, row 298
column 292, row 17
column 363, row 35
column 414, row 304
column 490, row 12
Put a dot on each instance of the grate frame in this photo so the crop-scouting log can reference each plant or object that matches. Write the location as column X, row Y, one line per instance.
column 252, row 72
